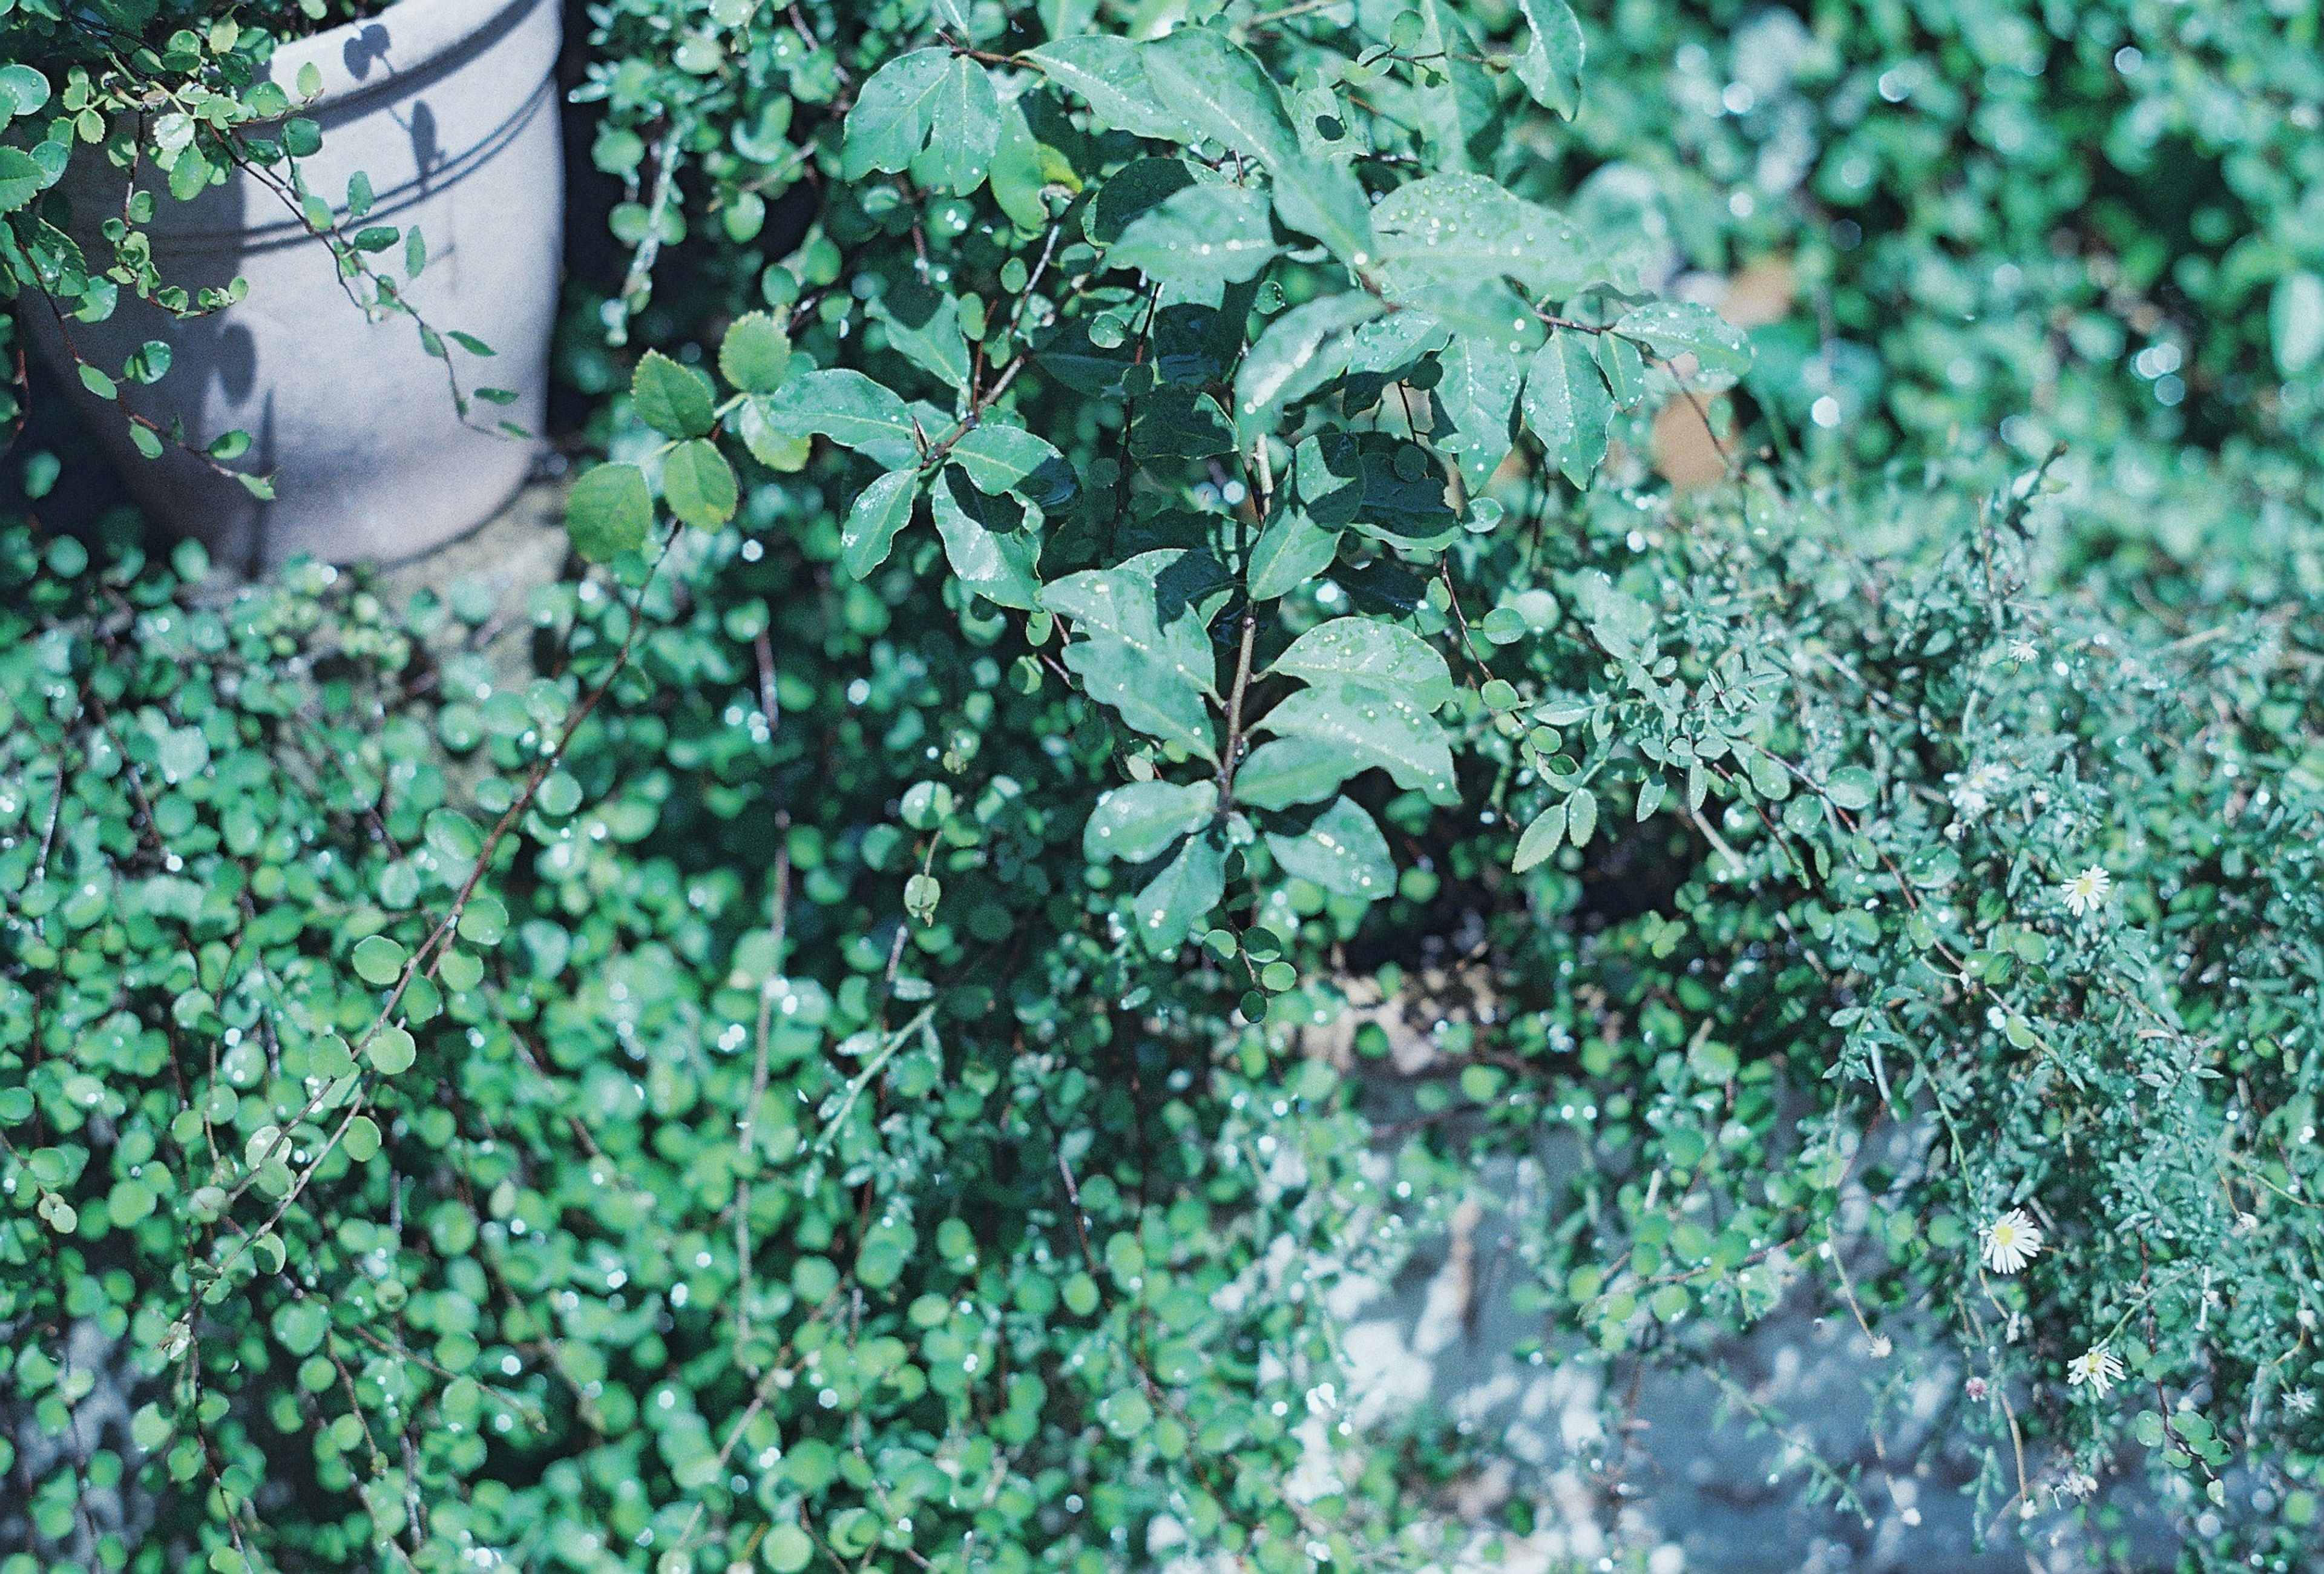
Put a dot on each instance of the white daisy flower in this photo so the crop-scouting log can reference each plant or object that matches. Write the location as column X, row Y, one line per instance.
column 1975, row 793
column 2086, row 893
column 2023, row 650
column 2011, row 1241
column 2300, row 1402
column 2079, row 1484
column 2096, row 1366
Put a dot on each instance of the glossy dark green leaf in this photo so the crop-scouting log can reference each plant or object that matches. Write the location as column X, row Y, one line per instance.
column 1378, row 652
column 1144, row 650
column 1375, row 725
column 1342, row 851
column 1567, row 405
column 1672, row 328
column 1141, row 820
column 879, row 510
column 1188, row 889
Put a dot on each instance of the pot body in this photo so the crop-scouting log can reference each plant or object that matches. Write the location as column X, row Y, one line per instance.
column 450, row 109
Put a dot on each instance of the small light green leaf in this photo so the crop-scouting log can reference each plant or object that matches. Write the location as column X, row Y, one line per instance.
column 755, row 353
column 1141, row 820
column 1541, row 838
column 378, row 960
column 1582, row 816
column 1651, row 793
column 1127, row 1414
column 362, row 1141
column 1550, row 66
column 1378, row 651
column 1567, row 406
column 2295, row 322
column 391, row 1051
column 676, row 400
column 880, row 509
column 454, row 835
column 698, row 483
column 1852, row 787
column 21, row 180
column 1672, row 328
column 1187, row 889
column 1288, row 554
column 300, row 1325
column 609, row 512
column 1343, row 851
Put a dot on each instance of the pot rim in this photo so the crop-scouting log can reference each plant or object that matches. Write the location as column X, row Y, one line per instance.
column 354, row 66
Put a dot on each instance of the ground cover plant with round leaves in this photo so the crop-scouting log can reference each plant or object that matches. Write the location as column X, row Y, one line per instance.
column 842, row 1052
column 127, row 107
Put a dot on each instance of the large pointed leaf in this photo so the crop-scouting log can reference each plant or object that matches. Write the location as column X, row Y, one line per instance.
column 1468, row 227
column 1186, row 890
column 1479, row 390
column 1550, row 66
column 1220, row 93
column 964, row 129
column 1109, row 74
column 1386, row 487
column 923, row 328
column 850, row 409
column 1144, row 649
column 1288, row 554
column 1324, row 200
column 994, row 548
column 1002, row 459
column 1287, row 770
column 1343, row 851
column 893, row 110
column 1376, row 727
column 1567, row 405
column 1672, row 328
column 880, row 509
column 1201, row 239
column 1376, row 651
column 1300, row 351
column 1139, row 821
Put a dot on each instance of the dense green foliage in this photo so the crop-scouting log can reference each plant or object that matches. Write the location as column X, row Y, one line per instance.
column 845, row 1048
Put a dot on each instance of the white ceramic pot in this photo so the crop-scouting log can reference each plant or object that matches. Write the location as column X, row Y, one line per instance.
column 448, row 108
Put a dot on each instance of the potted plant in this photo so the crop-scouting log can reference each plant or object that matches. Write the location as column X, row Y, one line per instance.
column 244, row 235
